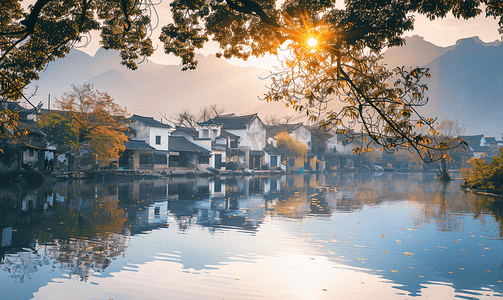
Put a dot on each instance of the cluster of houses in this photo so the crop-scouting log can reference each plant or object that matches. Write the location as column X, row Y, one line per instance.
column 225, row 142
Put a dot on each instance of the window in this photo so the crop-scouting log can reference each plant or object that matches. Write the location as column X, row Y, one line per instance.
column 203, row 159
column 234, row 144
column 31, row 153
column 160, row 159
column 206, row 133
column 157, row 139
column 145, row 159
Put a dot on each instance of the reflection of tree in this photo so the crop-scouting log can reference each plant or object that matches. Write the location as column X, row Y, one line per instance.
column 79, row 235
column 25, row 263
column 446, row 204
column 80, row 258
column 492, row 204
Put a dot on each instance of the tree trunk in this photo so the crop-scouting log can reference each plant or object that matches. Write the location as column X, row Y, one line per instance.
column 444, row 174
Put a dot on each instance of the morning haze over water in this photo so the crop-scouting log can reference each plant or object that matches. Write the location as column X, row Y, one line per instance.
column 299, row 236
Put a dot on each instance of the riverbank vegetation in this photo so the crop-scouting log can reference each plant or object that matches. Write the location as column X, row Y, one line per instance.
column 485, row 175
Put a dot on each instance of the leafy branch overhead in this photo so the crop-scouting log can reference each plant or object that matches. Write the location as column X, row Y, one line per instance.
column 350, row 37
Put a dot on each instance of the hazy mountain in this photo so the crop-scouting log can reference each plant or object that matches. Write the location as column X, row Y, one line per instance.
column 416, row 52
column 153, row 88
column 466, row 81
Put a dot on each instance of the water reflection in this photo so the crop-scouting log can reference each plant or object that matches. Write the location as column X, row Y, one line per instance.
column 407, row 228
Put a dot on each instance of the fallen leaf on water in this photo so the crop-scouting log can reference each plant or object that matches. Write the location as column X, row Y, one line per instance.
column 421, row 276
column 385, row 251
column 394, row 271
column 311, row 258
column 324, row 290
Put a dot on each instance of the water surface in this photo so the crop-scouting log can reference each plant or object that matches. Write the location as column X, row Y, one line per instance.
column 352, row 236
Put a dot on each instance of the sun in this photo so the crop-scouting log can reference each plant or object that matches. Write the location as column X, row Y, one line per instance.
column 312, row 42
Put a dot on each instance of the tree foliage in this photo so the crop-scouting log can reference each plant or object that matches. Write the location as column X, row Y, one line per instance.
column 88, row 119
column 350, row 40
column 485, row 176
column 60, row 131
column 290, row 147
column 376, row 105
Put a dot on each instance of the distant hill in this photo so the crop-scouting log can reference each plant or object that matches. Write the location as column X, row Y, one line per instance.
column 155, row 88
column 466, row 81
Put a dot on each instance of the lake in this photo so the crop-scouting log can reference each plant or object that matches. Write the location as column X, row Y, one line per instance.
column 303, row 236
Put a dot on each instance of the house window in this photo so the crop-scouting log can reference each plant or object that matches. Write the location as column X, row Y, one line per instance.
column 214, row 132
column 145, row 159
column 206, row 133
column 31, row 153
column 203, row 159
column 157, row 139
column 160, row 160
column 234, row 144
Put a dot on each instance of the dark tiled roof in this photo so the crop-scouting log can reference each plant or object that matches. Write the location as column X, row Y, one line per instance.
column 181, row 144
column 16, row 107
column 234, row 122
column 490, row 140
column 209, row 122
column 272, row 130
column 256, row 153
column 149, row 121
column 226, row 134
column 31, row 126
column 237, row 152
column 271, row 150
column 472, row 140
column 477, row 148
column 138, row 145
column 185, row 131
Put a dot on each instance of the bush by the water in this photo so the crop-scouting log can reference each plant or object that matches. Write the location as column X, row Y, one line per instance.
column 485, row 176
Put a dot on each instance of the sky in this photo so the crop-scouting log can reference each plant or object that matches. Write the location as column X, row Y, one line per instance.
column 442, row 32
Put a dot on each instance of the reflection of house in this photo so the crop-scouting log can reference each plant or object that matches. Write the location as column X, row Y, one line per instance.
column 156, row 135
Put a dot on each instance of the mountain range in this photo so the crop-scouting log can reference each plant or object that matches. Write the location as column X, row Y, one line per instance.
column 466, row 83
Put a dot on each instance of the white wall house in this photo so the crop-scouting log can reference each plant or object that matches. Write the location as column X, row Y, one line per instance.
column 156, row 135
column 251, row 132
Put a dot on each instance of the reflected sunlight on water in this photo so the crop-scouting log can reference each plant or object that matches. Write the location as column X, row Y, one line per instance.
column 351, row 236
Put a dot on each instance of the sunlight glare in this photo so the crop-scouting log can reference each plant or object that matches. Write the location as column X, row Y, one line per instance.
column 312, row 42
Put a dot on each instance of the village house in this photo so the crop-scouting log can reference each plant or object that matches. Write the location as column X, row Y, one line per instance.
column 297, row 132
column 186, row 154
column 252, row 139
column 29, row 150
column 154, row 134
